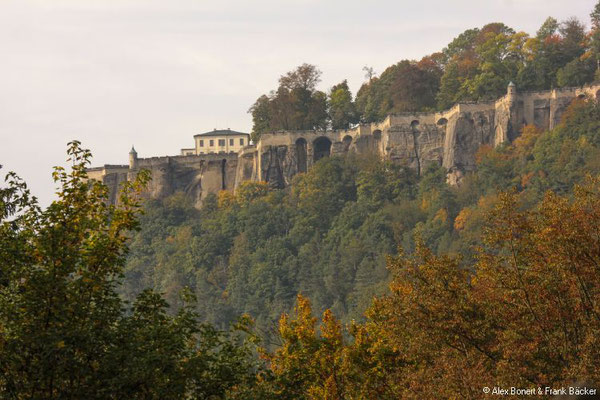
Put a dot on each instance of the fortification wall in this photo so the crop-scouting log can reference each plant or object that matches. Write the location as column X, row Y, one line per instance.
column 194, row 175
column 450, row 138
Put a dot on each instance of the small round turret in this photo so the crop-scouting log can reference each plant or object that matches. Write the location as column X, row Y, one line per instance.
column 512, row 89
column 132, row 158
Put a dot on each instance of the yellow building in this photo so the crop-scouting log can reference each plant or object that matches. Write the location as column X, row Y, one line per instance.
column 217, row 141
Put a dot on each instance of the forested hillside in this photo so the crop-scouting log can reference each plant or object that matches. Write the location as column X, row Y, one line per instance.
column 328, row 236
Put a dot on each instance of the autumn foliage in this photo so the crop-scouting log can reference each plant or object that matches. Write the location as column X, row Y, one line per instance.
column 525, row 314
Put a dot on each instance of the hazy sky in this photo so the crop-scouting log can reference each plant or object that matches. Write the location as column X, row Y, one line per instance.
column 153, row 73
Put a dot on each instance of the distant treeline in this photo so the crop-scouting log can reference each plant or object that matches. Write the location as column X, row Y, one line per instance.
column 476, row 65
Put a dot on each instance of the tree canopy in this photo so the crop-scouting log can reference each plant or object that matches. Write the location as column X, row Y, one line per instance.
column 477, row 65
column 294, row 105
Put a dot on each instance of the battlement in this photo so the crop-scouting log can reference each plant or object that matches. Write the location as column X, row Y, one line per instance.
column 306, row 132
column 94, row 169
column 412, row 114
column 186, row 158
column 106, row 169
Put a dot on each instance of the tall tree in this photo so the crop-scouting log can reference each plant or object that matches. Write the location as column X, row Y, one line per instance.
column 405, row 86
column 295, row 105
column 572, row 32
column 342, row 111
column 548, row 28
column 262, row 116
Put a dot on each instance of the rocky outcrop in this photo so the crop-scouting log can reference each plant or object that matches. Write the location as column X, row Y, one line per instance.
column 278, row 165
column 415, row 144
column 466, row 133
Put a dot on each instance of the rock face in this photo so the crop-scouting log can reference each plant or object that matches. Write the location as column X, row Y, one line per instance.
column 466, row 131
column 450, row 138
column 414, row 142
column 194, row 175
column 278, row 165
column 246, row 167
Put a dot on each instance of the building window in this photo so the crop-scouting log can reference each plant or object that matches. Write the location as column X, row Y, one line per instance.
column 212, row 143
column 241, row 142
column 231, row 142
column 221, row 142
column 201, row 143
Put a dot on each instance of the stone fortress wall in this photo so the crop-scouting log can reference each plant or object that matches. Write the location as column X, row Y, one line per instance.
column 449, row 138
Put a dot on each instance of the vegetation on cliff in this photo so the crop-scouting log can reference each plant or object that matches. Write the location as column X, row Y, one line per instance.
column 476, row 65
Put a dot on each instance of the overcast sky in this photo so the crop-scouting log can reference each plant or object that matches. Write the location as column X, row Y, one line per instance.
column 153, row 73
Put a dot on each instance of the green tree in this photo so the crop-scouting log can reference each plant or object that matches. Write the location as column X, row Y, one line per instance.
column 320, row 195
column 295, row 105
column 577, row 72
column 595, row 16
column 595, row 36
column 342, row 111
column 65, row 332
column 261, row 117
column 548, row 28
column 449, row 87
column 405, row 86
column 573, row 36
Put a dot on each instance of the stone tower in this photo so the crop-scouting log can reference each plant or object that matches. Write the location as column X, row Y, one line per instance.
column 133, row 158
column 511, row 92
column 515, row 112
